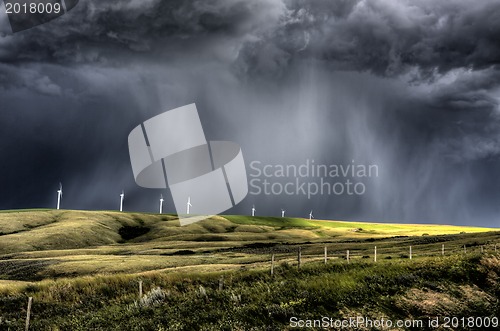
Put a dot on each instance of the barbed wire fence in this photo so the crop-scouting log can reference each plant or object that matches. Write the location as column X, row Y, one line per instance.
column 309, row 253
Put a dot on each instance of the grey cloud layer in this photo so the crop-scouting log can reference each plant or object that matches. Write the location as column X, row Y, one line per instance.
column 410, row 85
column 97, row 30
column 382, row 36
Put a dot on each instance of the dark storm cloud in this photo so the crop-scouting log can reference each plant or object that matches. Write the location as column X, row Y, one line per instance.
column 409, row 85
column 29, row 78
column 96, row 30
column 466, row 89
column 383, row 37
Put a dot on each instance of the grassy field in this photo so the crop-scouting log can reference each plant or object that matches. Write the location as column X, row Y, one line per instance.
column 83, row 268
column 39, row 244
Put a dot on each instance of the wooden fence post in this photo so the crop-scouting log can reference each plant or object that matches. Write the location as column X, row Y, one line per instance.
column 221, row 283
column 272, row 265
column 140, row 289
column 28, row 314
column 482, row 249
column 465, row 249
column 442, row 250
column 299, row 257
column 347, row 255
column 411, row 253
column 326, row 254
column 375, row 256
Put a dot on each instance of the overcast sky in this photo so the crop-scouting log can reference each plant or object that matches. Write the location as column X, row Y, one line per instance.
column 411, row 86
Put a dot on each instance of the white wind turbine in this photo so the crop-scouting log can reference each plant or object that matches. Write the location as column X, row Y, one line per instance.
column 253, row 210
column 311, row 216
column 161, row 203
column 188, row 205
column 59, row 196
column 282, row 213
column 122, row 195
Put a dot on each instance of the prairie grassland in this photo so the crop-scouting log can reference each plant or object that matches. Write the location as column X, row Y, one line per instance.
column 39, row 244
column 83, row 268
column 459, row 285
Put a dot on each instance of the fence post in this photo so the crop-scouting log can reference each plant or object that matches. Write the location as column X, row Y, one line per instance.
column 495, row 248
column 299, row 257
column 347, row 255
column 465, row 249
column 28, row 313
column 411, row 255
column 272, row 265
column 375, row 256
column 140, row 289
column 482, row 249
column 326, row 254
column 221, row 283
column 442, row 250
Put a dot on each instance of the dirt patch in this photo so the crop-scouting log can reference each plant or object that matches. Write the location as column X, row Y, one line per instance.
column 450, row 301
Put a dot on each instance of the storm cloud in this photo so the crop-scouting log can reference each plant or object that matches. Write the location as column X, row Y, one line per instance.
column 412, row 86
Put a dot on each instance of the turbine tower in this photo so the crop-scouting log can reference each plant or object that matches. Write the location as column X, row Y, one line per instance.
column 188, row 205
column 253, row 210
column 121, row 200
column 59, row 196
column 282, row 213
column 311, row 215
column 161, row 203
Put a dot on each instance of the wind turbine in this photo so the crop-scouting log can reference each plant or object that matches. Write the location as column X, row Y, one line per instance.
column 121, row 200
column 188, row 205
column 311, row 215
column 253, row 210
column 59, row 196
column 161, row 203
column 282, row 213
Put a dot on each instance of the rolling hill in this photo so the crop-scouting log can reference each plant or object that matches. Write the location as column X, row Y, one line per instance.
column 35, row 244
column 82, row 269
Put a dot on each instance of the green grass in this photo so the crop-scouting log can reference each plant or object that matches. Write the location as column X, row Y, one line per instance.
column 36, row 244
column 452, row 286
column 82, row 268
column 275, row 222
